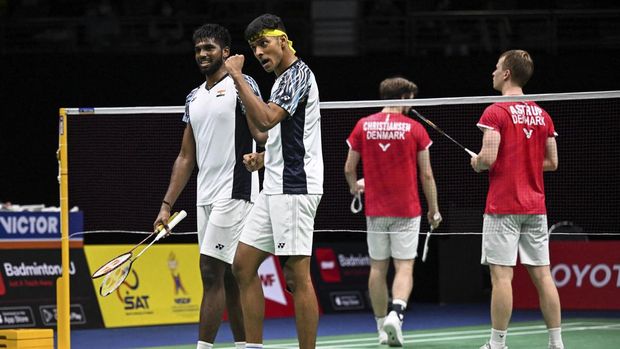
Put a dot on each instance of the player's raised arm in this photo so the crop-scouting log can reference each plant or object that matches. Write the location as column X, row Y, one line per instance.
column 261, row 115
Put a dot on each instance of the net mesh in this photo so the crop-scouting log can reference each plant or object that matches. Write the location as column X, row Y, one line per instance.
column 120, row 165
column 119, row 169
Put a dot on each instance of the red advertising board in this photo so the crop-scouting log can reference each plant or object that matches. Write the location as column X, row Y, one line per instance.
column 587, row 275
column 278, row 302
column 340, row 272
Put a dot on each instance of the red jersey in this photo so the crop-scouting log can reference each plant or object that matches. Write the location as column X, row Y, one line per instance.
column 389, row 144
column 516, row 178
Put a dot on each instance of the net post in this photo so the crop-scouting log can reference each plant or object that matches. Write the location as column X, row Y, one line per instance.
column 62, row 284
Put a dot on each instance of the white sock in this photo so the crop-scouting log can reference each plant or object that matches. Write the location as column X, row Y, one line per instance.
column 239, row 345
column 555, row 337
column 204, row 345
column 254, row 346
column 400, row 302
column 380, row 321
column 498, row 338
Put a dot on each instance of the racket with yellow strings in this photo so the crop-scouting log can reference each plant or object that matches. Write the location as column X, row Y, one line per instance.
column 116, row 270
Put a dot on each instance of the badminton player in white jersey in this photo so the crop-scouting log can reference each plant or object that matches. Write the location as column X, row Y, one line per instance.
column 518, row 145
column 216, row 137
column 394, row 150
column 282, row 219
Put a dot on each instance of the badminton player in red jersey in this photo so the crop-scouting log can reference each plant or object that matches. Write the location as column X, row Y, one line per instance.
column 518, row 145
column 394, row 148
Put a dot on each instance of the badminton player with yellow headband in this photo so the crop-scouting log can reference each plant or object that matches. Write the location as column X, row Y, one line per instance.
column 281, row 221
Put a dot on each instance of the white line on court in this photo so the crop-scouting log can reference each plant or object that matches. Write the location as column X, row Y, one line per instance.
column 440, row 336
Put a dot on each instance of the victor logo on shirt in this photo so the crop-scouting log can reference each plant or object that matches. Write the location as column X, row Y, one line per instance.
column 384, row 147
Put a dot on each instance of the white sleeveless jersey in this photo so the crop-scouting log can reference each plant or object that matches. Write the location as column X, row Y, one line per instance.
column 294, row 157
column 222, row 138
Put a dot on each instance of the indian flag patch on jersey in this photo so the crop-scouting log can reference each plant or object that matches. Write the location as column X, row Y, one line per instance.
column 220, row 93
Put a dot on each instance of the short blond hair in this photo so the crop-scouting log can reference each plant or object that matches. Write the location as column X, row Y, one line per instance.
column 520, row 64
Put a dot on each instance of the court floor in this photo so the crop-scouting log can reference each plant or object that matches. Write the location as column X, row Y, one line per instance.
column 426, row 326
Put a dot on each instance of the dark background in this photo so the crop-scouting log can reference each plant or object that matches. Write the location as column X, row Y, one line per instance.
column 122, row 53
column 117, row 53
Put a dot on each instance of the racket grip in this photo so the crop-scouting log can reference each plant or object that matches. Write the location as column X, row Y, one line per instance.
column 174, row 220
column 471, row 153
column 356, row 204
column 425, row 250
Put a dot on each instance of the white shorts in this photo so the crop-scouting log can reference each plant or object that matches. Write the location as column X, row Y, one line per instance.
column 505, row 234
column 219, row 227
column 282, row 224
column 395, row 237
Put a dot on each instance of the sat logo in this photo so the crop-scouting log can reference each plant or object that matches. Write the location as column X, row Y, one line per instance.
column 132, row 302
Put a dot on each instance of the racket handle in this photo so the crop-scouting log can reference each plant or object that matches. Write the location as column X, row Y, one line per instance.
column 356, row 204
column 425, row 250
column 174, row 220
column 471, row 153
column 160, row 227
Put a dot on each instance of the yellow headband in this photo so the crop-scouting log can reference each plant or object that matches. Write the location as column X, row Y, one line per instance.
column 275, row 32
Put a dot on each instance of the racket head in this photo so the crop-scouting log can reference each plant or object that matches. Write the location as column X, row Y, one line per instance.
column 114, row 279
column 111, row 265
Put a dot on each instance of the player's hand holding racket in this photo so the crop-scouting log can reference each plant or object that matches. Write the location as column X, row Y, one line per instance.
column 357, row 191
column 475, row 164
column 117, row 269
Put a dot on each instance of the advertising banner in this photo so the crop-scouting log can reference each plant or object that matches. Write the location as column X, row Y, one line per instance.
column 28, row 289
column 340, row 273
column 278, row 301
column 37, row 226
column 164, row 286
column 587, row 275
column 27, row 230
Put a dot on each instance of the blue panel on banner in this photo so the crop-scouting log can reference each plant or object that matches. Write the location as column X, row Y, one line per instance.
column 38, row 226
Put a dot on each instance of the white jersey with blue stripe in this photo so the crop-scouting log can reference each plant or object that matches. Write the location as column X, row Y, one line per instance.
column 222, row 137
column 294, row 156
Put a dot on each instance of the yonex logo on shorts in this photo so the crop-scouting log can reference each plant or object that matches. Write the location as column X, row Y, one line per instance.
column 281, row 244
column 219, row 246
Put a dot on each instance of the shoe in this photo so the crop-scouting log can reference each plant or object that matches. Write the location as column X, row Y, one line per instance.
column 555, row 347
column 392, row 326
column 488, row 346
column 383, row 337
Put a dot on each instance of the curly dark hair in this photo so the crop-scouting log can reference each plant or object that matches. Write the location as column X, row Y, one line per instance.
column 262, row 22
column 213, row 31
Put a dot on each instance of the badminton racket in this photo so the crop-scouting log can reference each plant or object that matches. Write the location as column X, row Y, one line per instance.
column 428, row 237
column 117, row 269
column 431, row 124
column 114, row 263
